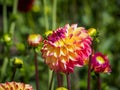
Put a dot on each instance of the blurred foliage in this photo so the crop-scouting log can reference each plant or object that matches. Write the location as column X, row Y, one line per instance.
column 104, row 15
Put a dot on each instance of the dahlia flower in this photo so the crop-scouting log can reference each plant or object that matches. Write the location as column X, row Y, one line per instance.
column 25, row 5
column 15, row 86
column 100, row 63
column 67, row 47
column 34, row 39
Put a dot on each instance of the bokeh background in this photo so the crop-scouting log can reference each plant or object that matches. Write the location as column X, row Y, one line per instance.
column 39, row 16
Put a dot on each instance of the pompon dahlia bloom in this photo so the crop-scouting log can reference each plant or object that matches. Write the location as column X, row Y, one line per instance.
column 34, row 39
column 25, row 5
column 15, row 86
column 67, row 47
column 100, row 63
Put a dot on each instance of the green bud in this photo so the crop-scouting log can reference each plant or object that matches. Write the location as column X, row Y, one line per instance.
column 92, row 32
column 48, row 32
column 7, row 38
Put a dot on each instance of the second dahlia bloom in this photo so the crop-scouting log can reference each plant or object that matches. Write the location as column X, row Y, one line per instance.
column 100, row 63
column 15, row 86
column 67, row 47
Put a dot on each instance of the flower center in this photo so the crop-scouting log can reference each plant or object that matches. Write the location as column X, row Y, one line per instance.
column 100, row 59
column 33, row 37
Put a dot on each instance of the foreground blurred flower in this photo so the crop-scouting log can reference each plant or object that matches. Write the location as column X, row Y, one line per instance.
column 100, row 63
column 67, row 47
column 34, row 40
column 15, row 86
column 25, row 5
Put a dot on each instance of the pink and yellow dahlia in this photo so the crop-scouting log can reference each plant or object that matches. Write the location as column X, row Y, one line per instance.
column 100, row 63
column 67, row 47
column 15, row 86
column 34, row 40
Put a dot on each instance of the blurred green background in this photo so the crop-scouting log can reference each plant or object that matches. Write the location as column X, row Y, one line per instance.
column 44, row 15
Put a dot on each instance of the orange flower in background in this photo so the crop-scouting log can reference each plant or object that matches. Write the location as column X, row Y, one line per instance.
column 100, row 63
column 67, row 47
column 15, row 86
column 25, row 5
column 34, row 39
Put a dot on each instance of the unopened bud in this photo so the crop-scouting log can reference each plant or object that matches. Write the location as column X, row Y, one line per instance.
column 34, row 40
column 18, row 62
column 48, row 32
column 92, row 32
column 7, row 38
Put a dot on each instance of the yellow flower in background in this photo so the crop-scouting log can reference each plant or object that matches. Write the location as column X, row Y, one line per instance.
column 15, row 86
column 67, row 47
column 61, row 88
column 34, row 39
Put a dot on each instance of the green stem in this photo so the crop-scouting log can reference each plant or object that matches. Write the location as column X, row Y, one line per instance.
column 54, row 14
column 5, row 17
column 14, row 71
column 45, row 15
column 12, row 27
column 36, row 70
column 51, row 81
column 4, row 67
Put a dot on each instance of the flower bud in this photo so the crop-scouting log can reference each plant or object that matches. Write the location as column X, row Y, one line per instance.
column 7, row 38
column 34, row 40
column 48, row 32
column 18, row 62
column 92, row 32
